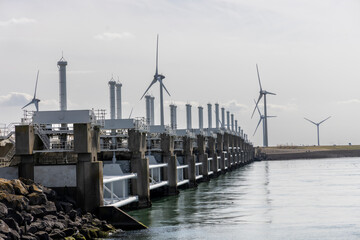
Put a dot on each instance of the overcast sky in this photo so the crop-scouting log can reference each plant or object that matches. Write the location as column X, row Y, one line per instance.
column 308, row 53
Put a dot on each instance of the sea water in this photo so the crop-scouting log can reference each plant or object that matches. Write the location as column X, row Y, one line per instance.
column 293, row 199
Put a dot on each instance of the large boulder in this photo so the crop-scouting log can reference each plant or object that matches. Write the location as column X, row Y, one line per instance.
column 19, row 187
column 17, row 202
column 3, row 211
column 6, row 186
column 35, row 188
column 42, row 235
column 12, row 224
column 4, row 228
column 18, row 217
column 36, row 198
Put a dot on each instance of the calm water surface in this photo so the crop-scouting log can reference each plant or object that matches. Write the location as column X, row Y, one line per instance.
column 296, row 199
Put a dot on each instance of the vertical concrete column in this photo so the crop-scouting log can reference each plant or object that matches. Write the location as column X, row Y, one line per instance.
column 242, row 159
column 89, row 171
column 139, row 165
column 25, row 138
column 190, row 161
column 231, row 148
column 220, row 149
column 238, row 149
column 170, row 173
column 213, row 154
column 227, row 150
column 203, row 157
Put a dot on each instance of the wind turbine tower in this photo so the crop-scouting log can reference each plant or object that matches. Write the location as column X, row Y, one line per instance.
column 262, row 117
column 317, row 126
column 158, row 77
column 263, row 93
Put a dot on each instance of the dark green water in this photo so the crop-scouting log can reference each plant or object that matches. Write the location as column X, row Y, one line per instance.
column 297, row 199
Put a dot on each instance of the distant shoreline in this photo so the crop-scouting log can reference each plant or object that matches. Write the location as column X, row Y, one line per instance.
column 310, row 152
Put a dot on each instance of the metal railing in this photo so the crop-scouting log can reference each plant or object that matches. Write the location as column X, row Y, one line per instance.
column 119, row 146
column 180, row 175
column 141, row 125
column 197, row 170
column 156, row 177
column 209, row 166
column 116, row 185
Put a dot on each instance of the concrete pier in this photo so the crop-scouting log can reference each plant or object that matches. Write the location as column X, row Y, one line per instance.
column 190, row 161
column 140, row 166
column 170, row 174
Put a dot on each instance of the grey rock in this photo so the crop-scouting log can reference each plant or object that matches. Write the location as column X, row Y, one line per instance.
column 3, row 211
column 42, row 235
column 4, row 228
column 73, row 215
column 36, row 198
column 50, row 208
column 12, row 224
column 28, row 237
column 16, row 216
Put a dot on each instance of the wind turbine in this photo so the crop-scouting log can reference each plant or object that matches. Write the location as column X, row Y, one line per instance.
column 317, row 126
column 262, row 117
column 158, row 77
column 263, row 93
column 34, row 101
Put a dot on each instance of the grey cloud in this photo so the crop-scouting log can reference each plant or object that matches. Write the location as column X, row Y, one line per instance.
column 14, row 21
column 15, row 99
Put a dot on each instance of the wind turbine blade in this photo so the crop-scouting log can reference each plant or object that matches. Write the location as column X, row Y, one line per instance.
column 152, row 83
column 257, row 69
column 257, row 126
column 165, row 88
column 324, row 120
column 270, row 93
column 157, row 54
column 257, row 107
column 131, row 112
column 260, row 96
column 310, row 121
column 37, row 78
column 271, row 116
column 28, row 104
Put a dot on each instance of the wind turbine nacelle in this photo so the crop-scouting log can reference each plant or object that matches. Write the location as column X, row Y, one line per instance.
column 160, row 76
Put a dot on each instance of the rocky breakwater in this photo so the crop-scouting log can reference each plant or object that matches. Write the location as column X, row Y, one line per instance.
column 34, row 212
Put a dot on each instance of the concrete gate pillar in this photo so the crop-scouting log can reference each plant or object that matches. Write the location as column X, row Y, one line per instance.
column 226, row 149
column 203, row 157
column 170, row 173
column 190, row 161
column 25, row 137
column 213, row 154
column 219, row 150
column 231, row 150
column 89, row 171
column 242, row 149
column 140, row 166
column 237, row 147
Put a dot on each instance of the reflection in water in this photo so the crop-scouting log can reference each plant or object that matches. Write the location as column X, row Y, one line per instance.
column 304, row 199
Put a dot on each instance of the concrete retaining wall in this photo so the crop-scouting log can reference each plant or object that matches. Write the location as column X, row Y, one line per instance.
column 9, row 173
column 56, row 175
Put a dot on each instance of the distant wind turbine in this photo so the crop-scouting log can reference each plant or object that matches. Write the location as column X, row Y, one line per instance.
column 262, row 117
column 34, row 101
column 317, row 126
column 263, row 93
column 158, row 77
